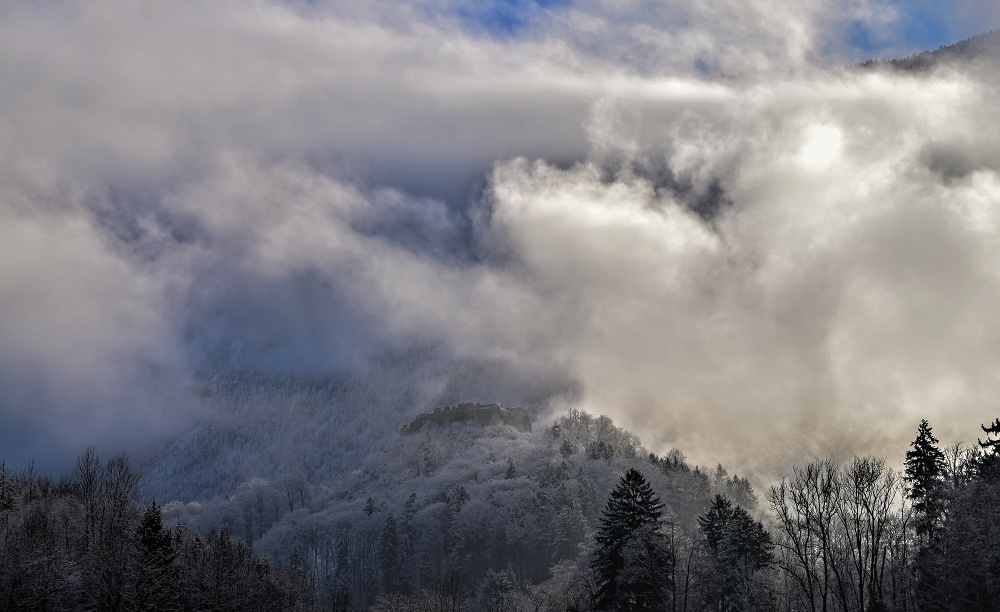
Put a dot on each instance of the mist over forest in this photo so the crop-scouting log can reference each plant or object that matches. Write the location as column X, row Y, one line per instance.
column 732, row 260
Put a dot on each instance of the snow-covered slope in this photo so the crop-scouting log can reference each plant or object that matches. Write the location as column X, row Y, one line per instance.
column 461, row 498
column 319, row 429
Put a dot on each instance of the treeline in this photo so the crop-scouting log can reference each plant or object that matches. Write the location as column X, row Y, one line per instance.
column 85, row 542
column 577, row 517
column 856, row 537
column 851, row 538
column 983, row 45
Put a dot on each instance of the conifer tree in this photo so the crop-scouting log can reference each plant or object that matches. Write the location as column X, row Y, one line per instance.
column 991, row 446
column 738, row 545
column 746, row 545
column 924, row 473
column 7, row 488
column 156, row 577
column 989, row 463
column 631, row 563
column 713, row 523
column 511, row 469
column 390, row 553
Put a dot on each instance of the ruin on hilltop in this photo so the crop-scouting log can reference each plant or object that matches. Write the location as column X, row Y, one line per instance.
column 482, row 415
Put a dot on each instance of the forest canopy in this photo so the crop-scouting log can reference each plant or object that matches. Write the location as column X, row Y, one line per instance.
column 576, row 517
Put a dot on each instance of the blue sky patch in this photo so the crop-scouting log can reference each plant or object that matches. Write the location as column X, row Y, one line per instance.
column 504, row 18
column 926, row 25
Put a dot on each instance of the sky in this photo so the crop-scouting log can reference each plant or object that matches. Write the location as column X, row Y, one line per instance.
column 687, row 211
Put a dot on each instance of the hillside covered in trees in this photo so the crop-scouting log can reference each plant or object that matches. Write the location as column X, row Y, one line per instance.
column 577, row 516
column 980, row 49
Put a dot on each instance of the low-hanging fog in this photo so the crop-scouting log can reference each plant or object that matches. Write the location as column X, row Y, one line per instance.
column 690, row 216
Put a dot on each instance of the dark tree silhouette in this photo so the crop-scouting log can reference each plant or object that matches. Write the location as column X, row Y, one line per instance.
column 391, row 553
column 738, row 546
column 156, row 577
column 990, row 461
column 713, row 523
column 924, row 473
column 991, row 446
column 632, row 560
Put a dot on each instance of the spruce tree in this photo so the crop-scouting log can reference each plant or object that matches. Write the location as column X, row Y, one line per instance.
column 745, row 549
column 8, row 490
column 989, row 463
column 924, row 473
column 713, row 523
column 156, row 577
column 631, row 563
column 738, row 546
column 391, row 555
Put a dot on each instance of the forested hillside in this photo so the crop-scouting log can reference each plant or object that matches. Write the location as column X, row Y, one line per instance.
column 259, row 425
column 87, row 542
column 575, row 516
column 981, row 49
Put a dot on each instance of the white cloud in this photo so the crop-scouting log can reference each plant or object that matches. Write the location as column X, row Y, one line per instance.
column 179, row 178
column 846, row 279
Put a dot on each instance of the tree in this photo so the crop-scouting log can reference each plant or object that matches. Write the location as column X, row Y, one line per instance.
column 713, row 523
column 745, row 544
column 745, row 549
column 511, row 469
column 632, row 560
column 924, row 473
column 155, row 576
column 991, row 447
column 498, row 592
column 739, row 547
column 8, row 490
column 869, row 496
column 960, row 572
column 391, row 553
column 989, row 464
column 806, row 506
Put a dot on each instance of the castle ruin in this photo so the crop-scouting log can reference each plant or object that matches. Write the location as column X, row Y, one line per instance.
column 482, row 415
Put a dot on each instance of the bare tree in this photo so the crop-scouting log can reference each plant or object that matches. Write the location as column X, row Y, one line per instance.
column 868, row 494
column 806, row 507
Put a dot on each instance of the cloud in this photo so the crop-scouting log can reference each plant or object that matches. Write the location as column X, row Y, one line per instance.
column 730, row 265
column 842, row 294
column 85, row 343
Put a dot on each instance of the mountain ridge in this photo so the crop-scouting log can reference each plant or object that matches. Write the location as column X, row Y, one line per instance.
column 985, row 45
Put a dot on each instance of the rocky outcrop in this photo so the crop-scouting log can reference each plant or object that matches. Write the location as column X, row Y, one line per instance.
column 482, row 415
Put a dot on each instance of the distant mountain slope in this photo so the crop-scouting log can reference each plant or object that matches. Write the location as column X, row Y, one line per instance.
column 985, row 46
column 264, row 426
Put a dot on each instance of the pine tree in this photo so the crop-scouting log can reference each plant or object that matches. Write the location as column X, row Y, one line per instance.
column 989, row 462
column 991, row 447
column 746, row 546
column 738, row 546
column 156, row 576
column 713, row 523
column 390, row 554
column 511, row 469
column 631, row 563
column 8, row 489
column 924, row 473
